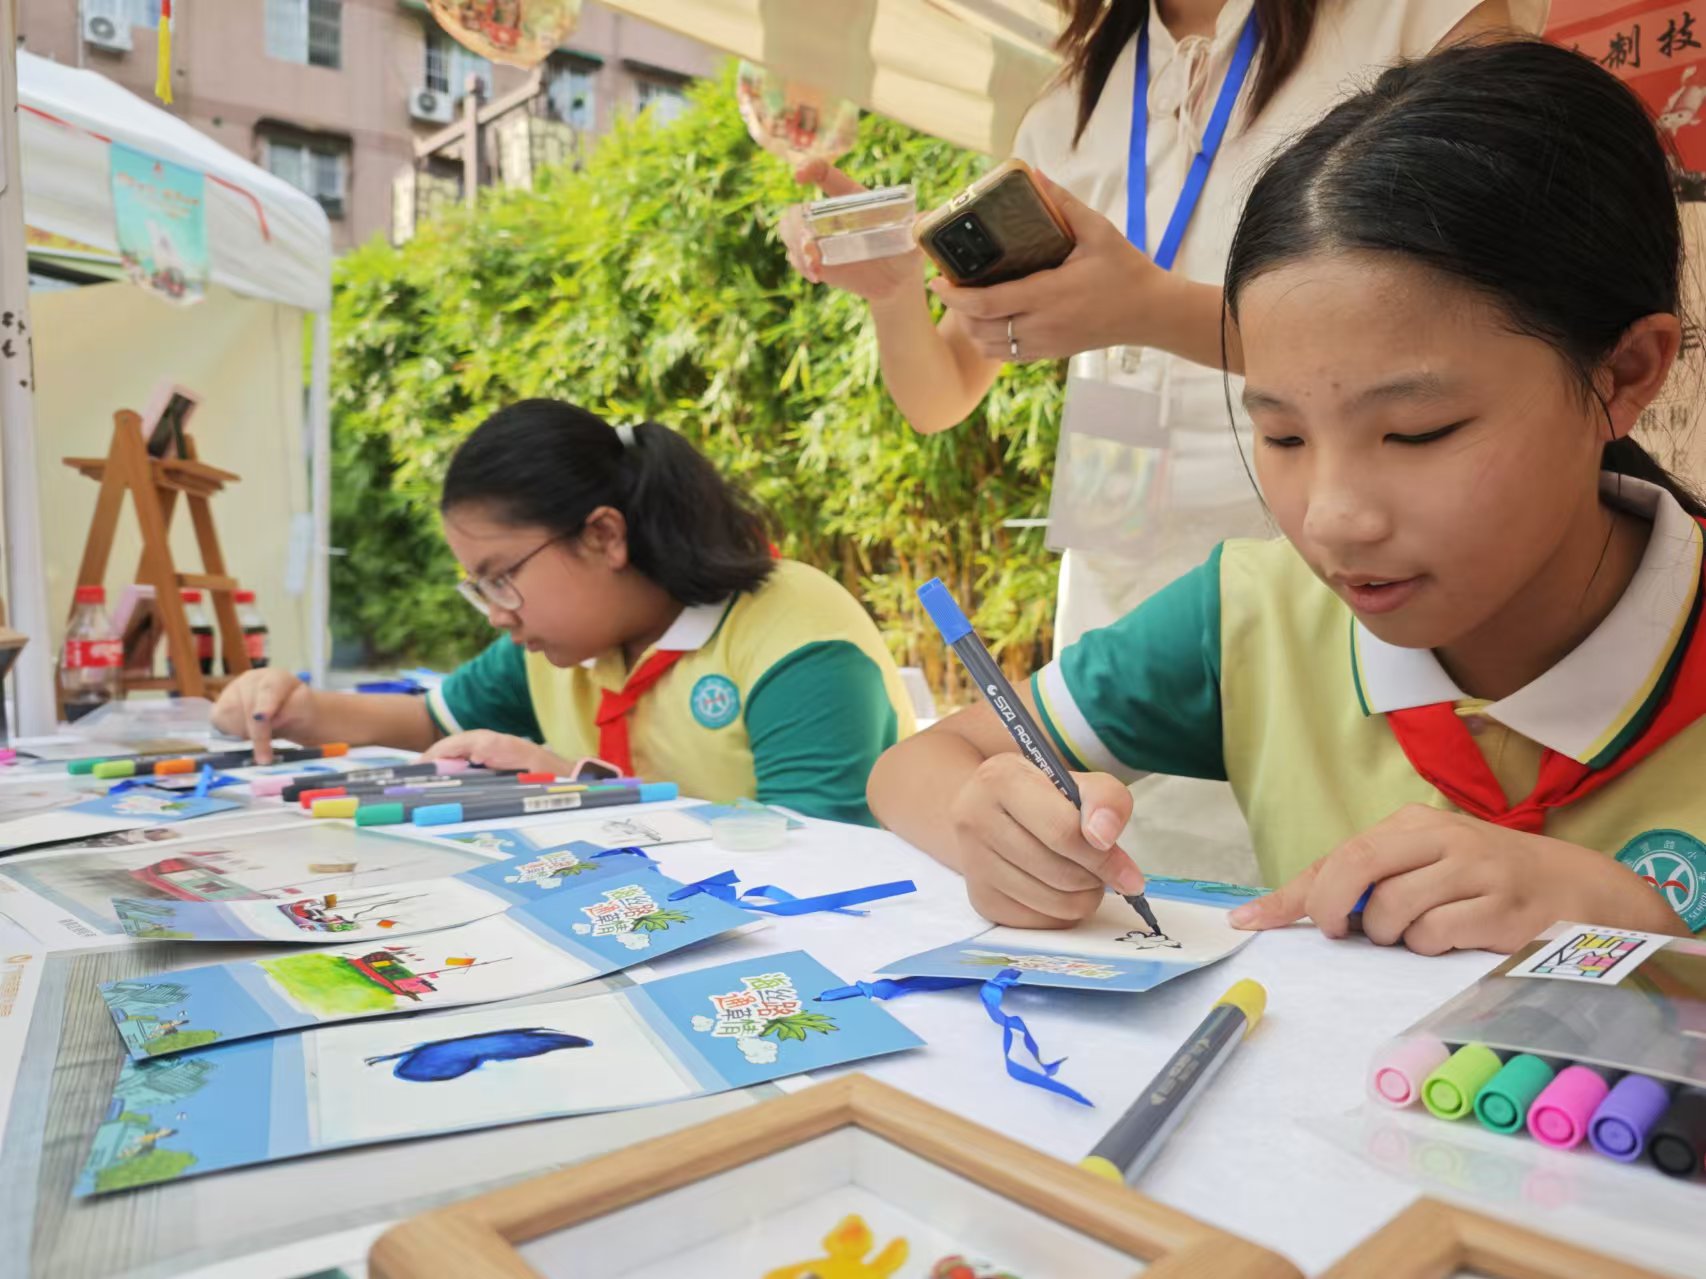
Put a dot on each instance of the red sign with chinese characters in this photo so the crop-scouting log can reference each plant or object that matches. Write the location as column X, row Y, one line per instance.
column 1658, row 49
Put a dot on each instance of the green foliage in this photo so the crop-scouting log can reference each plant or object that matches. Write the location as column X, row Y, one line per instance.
column 660, row 920
column 143, row 1170
column 795, row 1027
column 651, row 283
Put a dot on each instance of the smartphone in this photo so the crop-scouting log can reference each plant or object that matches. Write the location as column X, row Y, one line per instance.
column 1001, row 227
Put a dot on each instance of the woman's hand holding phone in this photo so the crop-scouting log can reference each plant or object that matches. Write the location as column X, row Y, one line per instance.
column 1104, row 294
column 877, row 280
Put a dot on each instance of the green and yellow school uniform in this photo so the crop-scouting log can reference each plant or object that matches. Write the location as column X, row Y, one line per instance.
column 1250, row 670
column 786, row 694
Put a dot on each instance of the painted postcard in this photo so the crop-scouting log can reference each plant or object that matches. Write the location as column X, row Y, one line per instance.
column 378, row 913
column 557, row 940
column 68, row 895
column 1112, row 950
column 636, row 826
column 128, row 810
column 702, row 1032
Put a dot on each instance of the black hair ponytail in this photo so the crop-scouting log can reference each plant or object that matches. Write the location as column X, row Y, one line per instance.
column 551, row 464
column 1518, row 167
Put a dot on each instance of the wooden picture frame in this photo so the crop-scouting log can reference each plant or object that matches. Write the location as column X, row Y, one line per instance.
column 1435, row 1240
column 481, row 1236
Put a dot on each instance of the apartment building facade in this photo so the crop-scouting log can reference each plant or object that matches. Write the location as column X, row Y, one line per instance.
column 331, row 95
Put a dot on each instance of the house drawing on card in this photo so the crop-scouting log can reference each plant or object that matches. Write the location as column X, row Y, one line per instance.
column 386, row 969
column 189, row 880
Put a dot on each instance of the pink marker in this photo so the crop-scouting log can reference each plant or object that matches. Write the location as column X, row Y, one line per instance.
column 1561, row 1113
column 1396, row 1077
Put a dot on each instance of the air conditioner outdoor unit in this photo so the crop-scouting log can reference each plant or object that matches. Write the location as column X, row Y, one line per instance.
column 105, row 32
column 432, row 106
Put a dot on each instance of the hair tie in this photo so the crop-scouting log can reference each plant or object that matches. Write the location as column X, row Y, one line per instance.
column 625, row 433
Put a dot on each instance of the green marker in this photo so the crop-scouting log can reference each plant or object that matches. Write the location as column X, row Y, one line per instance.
column 1502, row 1105
column 1450, row 1092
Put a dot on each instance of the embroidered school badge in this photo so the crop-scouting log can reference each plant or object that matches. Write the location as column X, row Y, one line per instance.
column 716, row 701
column 1674, row 862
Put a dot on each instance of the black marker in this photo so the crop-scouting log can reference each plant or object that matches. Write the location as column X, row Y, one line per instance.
column 1032, row 742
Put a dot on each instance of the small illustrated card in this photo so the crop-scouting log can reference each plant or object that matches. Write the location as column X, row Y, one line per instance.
column 643, row 828
column 1112, row 950
column 560, row 939
column 129, row 810
column 377, row 913
column 702, row 1032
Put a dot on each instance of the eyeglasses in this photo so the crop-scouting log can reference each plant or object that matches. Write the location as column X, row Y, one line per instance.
column 498, row 590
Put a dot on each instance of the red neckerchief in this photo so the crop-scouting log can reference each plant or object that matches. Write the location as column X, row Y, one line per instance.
column 1440, row 748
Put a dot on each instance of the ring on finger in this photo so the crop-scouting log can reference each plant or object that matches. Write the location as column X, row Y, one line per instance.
column 1012, row 341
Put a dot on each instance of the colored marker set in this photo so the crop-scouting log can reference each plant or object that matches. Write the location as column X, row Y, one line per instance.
column 1589, row 1035
column 165, row 765
column 1622, row 1116
column 450, row 801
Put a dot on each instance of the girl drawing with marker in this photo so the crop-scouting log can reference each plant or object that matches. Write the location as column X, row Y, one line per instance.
column 1472, row 674
column 644, row 621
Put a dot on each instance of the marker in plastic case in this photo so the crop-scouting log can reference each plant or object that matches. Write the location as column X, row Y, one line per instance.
column 1561, row 1113
column 1449, row 1092
column 1619, row 1128
column 1677, row 1143
column 1396, row 1077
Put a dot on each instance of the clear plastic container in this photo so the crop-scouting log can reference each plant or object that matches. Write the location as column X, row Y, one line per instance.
column 864, row 225
column 92, row 661
column 255, row 638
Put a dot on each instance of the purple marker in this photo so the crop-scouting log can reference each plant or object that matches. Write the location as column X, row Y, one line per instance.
column 1619, row 1127
column 1560, row 1115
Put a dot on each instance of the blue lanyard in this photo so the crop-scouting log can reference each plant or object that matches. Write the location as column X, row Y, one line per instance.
column 1137, row 166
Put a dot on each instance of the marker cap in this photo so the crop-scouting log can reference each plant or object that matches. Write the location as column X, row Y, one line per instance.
column 269, row 787
column 1397, row 1075
column 656, row 792
column 331, row 750
column 1559, row 1117
column 380, row 814
column 1103, row 1168
column 1619, row 1127
column 309, row 798
column 173, row 767
column 943, row 611
column 448, row 766
column 437, row 814
column 539, row 779
column 1677, row 1143
column 1504, row 1103
column 81, row 767
column 109, row 768
column 342, row 806
column 1248, row 997
column 1449, row 1093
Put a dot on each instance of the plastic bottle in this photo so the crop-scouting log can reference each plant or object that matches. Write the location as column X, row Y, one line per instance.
column 92, row 661
column 254, row 629
column 201, row 629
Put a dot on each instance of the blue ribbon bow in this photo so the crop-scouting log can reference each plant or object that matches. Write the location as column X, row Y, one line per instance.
column 771, row 900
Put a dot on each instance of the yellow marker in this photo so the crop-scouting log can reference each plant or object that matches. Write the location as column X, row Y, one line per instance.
column 1136, row 1137
column 340, row 807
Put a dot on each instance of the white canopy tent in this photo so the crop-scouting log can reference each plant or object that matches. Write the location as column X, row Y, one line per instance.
column 964, row 70
column 270, row 254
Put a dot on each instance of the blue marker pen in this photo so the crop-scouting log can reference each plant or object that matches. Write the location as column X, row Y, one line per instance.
column 1032, row 742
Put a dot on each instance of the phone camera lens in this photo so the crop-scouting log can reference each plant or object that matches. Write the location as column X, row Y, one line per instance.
column 967, row 246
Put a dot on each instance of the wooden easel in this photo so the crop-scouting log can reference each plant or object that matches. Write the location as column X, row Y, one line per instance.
column 154, row 484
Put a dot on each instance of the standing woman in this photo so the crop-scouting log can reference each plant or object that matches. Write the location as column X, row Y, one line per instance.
column 1148, row 476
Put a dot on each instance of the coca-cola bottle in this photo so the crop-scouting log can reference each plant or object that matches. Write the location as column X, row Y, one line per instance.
column 254, row 629
column 92, row 661
column 201, row 629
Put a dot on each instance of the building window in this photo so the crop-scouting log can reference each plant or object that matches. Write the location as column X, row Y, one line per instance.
column 448, row 66
column 320, row 169
column 306, row 31
column 665, row 101
column 572, row 94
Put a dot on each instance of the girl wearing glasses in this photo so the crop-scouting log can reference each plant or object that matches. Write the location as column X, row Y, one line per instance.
column 645, row 621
